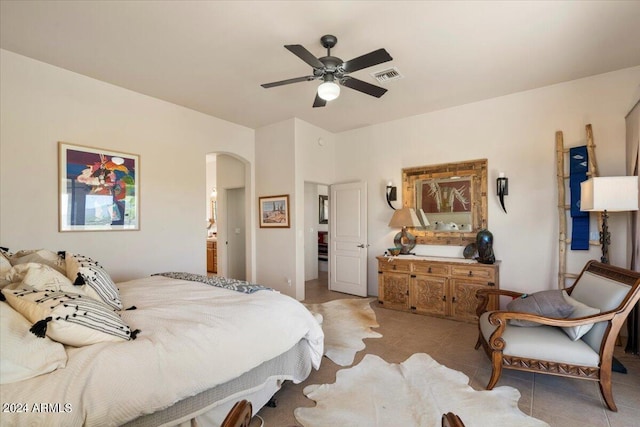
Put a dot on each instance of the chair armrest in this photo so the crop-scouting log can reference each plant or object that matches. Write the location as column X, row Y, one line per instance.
column 500, row 319
column 483, row 297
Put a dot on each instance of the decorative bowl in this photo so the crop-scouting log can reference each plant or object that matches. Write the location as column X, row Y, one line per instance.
column 394, row 251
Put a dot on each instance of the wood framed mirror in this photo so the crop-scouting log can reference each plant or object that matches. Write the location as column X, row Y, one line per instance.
column 453, row 199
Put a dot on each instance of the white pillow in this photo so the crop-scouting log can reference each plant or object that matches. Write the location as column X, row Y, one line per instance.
column 82, row 271
column 5, row 265
column 22, row 354
column 579, row 310
column 71, row 319
column 38, row 276
column 41, row 256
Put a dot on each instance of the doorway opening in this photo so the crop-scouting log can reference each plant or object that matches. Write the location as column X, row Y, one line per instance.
column 316, row 219
column 227, row 215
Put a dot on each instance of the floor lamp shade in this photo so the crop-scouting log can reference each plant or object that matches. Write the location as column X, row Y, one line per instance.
column 608, row 194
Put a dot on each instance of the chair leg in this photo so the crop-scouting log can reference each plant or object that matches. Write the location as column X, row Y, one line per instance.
column 605, row 389
column 479, row 342
column 496, row 371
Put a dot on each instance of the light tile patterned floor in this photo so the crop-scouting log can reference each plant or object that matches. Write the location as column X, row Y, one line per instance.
column 562, row 402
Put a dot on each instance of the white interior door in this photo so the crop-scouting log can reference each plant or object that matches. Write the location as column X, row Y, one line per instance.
column 348, row 238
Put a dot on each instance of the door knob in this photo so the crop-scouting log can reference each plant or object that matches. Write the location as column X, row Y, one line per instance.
column 361, row 245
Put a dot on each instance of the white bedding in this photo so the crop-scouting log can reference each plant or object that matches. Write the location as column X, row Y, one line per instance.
column 193, row 337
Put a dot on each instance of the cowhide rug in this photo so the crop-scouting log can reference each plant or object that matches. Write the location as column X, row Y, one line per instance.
column 346, row 322
column 414, row 393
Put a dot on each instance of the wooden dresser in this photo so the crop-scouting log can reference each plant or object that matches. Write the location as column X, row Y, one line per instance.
column 212, row 256
column 444, row 287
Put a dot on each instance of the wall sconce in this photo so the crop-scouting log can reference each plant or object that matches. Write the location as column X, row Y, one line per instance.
column 392, row 194
column 608, row 194
column 502, row 184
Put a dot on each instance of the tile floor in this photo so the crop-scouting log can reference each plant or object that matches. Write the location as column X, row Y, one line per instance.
column 561, row 402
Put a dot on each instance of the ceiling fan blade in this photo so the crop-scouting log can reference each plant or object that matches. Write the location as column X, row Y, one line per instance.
column 319, row 102
column 288, row 81
column 363, row 87
column 302, row 53
column 367, row 60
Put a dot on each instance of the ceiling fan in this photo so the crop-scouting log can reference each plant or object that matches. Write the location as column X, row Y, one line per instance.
column 332, row 70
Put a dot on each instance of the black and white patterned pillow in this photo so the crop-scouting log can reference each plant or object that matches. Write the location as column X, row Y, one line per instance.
column 83, row 271
column 68, row 318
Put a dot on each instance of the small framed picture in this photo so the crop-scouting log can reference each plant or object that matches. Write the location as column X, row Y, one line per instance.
column 274, row 212
column 99, row 190
column 323, row 208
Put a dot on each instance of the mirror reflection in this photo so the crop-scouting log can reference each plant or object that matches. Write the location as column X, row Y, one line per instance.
column 445, row 202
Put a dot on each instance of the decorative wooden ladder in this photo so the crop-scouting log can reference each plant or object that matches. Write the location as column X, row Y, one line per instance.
column 564, row 207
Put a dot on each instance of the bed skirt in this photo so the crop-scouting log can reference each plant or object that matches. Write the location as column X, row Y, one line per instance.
column 257, row 385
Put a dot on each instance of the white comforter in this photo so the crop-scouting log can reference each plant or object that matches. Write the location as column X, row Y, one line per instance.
column 193, row 337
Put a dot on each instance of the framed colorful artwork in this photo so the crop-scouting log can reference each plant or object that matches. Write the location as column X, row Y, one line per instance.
column 274, row 212
column 99, row 190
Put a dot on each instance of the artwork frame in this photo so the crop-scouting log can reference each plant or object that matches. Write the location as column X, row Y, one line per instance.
column 274, row 211
column 98, row 189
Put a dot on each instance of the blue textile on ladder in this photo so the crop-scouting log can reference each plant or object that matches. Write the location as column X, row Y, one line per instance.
column 578, row 166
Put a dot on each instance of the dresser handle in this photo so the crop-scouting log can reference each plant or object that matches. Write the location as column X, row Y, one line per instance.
column 444, row 298
column 453, row 299
column 491, row 284
column 470, row 273
column 394, row 266
column 429, row 270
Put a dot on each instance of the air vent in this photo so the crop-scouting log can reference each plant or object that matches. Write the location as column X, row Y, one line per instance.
column 387, row 75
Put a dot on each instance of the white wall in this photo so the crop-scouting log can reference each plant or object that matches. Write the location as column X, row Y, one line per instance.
column 315, row 152
column 42, row 104
column 516, row 133
column 275, row 247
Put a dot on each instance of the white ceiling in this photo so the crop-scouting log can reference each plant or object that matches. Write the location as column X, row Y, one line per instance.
column 212, row 56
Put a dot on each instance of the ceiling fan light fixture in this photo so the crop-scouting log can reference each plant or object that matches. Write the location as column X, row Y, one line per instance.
column 328, row 91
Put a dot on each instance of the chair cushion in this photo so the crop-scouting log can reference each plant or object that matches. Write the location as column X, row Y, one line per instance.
column 542, row 343
column 599, row 292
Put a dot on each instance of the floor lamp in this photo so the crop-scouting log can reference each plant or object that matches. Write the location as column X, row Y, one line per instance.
column 608, row 194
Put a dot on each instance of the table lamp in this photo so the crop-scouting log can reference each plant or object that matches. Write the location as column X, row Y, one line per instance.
column 403, row 218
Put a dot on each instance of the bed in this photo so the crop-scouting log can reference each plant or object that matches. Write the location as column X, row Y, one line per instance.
column 193, row 350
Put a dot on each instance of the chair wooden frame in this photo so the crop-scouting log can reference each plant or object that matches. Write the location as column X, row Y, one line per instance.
column 615, row 318
column 239, row 415
column 451, row 420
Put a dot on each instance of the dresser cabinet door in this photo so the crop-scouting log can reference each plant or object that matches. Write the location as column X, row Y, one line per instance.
column 393, row 290
column 427, row 295
column 463, row 299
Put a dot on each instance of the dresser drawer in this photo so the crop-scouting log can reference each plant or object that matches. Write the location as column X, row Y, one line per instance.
column 394, row 265
column 473, row 271
column 430, row 268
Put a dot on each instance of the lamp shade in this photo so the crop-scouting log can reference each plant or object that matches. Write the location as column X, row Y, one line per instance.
column 612, row 194
column 328, row 91
column 405, row 217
